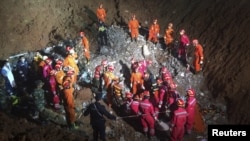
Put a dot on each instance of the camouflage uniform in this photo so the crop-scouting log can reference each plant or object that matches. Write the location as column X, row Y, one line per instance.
column 38, row 96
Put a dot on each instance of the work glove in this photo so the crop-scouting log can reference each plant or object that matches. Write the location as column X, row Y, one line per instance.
column 129, row 30
column 155, row 117
column 130, row 85
column 158, row 35
column 159, row 106
column 143, row 87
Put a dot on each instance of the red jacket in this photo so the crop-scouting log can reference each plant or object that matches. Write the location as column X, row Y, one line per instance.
column 134, row 106
column 146, row 108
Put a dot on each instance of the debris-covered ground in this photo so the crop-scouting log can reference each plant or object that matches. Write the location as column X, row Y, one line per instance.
column 222, row 89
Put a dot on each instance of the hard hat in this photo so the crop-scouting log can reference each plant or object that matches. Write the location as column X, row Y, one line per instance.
column 170, row 25
column 164, row 70
column 180, row 103
column 66, row 84
column 111, row 67
column 70, row 72
column 48, row 61
column 58, row 66
column 167, row 78
column 45, row 57
column 59, row 62
column 182, row 31
column 98, row 68
column 191, row 92
column 172, row 85
column 68, row 48
column 195, row 41
column 136, row 97
column 52, row 72
column 129, row 95
column 159, row 81
column 104, row 62
column 146, row 93
column 82, row 34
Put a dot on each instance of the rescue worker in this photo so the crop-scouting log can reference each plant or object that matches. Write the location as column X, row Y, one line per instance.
column 36, row 71
column 128, row 102
column 198, row 56
column 134, row 106
column 97, row 111
column 53, row 90
column 164, row 72
column 101, row 13
column 10, row 83
column 68, row 101
column 136, row 82
column 178, row 122
column 109, row 78
column 190, row 108
column 102, row 33
column 22, row 69
column 38, row 95
column 85, row 44
column 41, row 64
column 46, row 69
column 147, row 115
column 154, row 32
column 143, row 65
column 149, row 82
column 59, row 76
column 172, row 96
column 184, row 43
column 169, row 38
column 70, row 61
column 98, row 74
column 134, row 26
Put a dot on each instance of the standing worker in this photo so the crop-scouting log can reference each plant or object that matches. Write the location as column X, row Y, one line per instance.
column 148, row 115
column 136, row 82
column 184, row 43
column 68, row 101
column 154, row 32
column 198, row 56
column 102, row 33
column 101, row 13
column 85, row 44
column 97, row 120
column 168, row 38
column 38, row 96
column 178, row 122
column 134, row 26
column 190, row 107
column 10, row 83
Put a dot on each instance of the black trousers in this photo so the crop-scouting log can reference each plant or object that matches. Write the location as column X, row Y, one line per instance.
column 99, row 130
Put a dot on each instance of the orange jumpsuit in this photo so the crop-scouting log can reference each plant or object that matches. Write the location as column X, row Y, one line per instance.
column 154, row 32
column 69, row 104
column 101, row 14
column 137, row 81
column 133, row 26
column 198, row 56
column 70, row 61
column 59, row 78
column 168, row 38
column 85, row 43
column 108, row 78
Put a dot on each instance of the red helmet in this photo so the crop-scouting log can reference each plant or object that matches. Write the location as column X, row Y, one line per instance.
column 167, row 78
column 164, row 70
column 159, row 81
column 111, row 68
column 60, row 62
column 170, row 25
column 58, row 66
column 98, row 68
column 129, row 95
column 82, row 34
column 70, row 72
column 146, row 93
column 104, row 62
column 172, row 85
column 191, row 92
column 180, row 103
column 68, row 48
column 66, row 84
column 48, row 60
column 195, row 41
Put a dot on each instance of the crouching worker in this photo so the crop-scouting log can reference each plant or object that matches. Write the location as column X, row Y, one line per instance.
column 97, row 120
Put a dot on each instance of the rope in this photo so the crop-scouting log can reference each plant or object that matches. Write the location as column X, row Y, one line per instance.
column 140, row 115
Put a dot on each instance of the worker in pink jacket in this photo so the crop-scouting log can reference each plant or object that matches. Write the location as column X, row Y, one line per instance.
column 184, row 43
column 147, row 118
column 178, row 121
column 190, row 107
